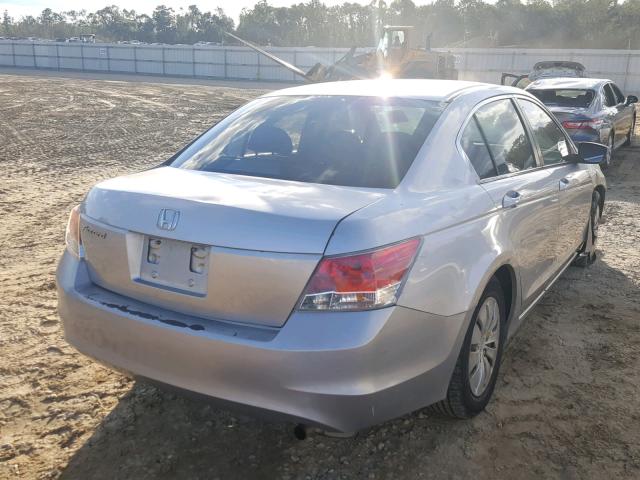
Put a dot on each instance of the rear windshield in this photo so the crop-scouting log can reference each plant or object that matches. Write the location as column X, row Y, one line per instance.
column 353, row 141
column 566, row 97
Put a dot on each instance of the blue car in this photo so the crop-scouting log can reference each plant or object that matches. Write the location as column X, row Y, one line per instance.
column 590, row 109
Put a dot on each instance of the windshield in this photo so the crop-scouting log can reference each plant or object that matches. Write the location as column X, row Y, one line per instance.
column 566, row 97
column 352, row 141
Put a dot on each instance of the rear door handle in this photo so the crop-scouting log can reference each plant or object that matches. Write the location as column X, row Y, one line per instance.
column 511, row 199
column 564, row 183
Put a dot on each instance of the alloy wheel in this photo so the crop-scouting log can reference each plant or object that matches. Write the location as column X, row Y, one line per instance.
column 485, row 340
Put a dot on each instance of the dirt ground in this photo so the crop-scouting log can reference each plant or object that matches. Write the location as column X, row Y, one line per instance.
column 567, row 403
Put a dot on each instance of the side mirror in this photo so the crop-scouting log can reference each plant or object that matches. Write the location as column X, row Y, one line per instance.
column 631, row 99
column 591, row 153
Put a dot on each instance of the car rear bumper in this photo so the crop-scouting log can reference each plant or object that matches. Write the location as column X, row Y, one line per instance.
column 342, row 371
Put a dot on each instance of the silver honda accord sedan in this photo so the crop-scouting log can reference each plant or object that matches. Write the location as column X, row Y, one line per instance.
column 339, row 253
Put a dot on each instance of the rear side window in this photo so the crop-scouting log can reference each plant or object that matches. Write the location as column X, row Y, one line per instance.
column 338, row 140
column 474, row 146
column 500, row 126
column 548, row 135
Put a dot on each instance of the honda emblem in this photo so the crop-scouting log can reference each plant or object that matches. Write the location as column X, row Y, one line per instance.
column 168, row 219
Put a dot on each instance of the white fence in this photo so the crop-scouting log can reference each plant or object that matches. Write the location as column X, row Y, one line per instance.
column 487, row 64
column 622, row 66
column 175, row 60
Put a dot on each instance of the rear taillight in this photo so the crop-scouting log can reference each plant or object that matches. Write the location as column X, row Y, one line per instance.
column 72, row 235
column 362, row 281
column 582, row 125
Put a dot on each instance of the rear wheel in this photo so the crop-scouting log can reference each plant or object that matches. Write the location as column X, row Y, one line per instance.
column 587, row 253
column 476, row 370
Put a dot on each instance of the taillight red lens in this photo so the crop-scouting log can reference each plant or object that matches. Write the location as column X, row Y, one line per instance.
column 584, row 125
column 361, row 281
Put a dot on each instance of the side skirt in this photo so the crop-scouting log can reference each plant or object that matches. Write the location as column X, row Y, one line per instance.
column 547, row 288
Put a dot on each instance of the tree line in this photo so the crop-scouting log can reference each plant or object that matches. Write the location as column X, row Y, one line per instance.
column 471, row 23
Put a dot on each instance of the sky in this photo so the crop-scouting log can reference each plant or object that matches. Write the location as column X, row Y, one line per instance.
column 18, row 8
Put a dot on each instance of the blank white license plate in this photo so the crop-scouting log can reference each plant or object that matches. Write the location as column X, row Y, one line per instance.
column 175, row 265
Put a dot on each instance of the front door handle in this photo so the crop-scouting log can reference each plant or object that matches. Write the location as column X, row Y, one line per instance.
column 511, row 199
column 564, row 183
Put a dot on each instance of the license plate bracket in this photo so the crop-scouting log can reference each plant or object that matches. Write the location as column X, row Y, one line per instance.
column 175, row 265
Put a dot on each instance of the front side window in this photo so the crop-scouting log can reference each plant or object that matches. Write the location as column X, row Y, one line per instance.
column 474, row 146
column 338, row 140
column 505, row 136
column 573, row 97
column 548, row 135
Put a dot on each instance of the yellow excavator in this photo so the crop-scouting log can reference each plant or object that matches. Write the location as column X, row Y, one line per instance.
column 397, row 56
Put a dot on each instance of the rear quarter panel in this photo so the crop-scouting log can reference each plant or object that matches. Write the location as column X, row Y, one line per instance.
column 464, row 243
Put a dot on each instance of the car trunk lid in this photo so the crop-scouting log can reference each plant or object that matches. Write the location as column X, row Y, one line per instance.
column 213, row 245
column 228, row 210
column 556, row 69
column 572, row 114
column 577, row 121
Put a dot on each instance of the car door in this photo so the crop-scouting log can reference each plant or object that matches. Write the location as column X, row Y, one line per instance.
column 572, row 179
column 615, row 114
column 624, row 114
column 497, row 144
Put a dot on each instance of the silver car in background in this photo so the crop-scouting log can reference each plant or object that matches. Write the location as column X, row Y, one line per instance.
column 340, row 253
column 590, row 109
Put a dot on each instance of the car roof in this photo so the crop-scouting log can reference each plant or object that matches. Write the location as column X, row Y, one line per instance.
column 568, row 82
column 438, row 90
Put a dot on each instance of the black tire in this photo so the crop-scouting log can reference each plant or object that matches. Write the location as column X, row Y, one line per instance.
column 460, row 401
column 627, row 142
column 584, row 258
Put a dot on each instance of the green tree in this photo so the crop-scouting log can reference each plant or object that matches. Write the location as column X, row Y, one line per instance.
column 165, row 24
column 526, row 23
column 7, row 22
